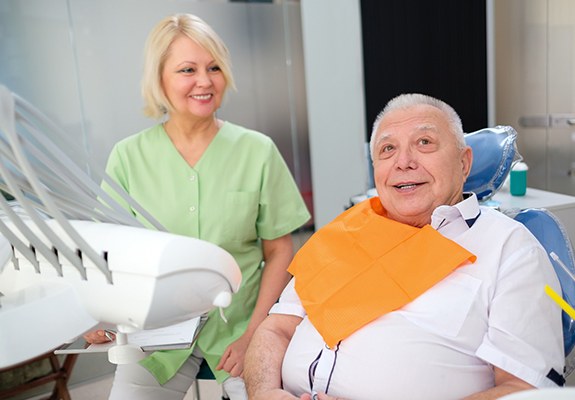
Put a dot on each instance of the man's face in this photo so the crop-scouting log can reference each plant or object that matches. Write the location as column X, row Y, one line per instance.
column 418, row 165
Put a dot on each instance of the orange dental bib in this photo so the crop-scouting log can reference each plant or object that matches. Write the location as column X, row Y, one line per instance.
column 363, row 265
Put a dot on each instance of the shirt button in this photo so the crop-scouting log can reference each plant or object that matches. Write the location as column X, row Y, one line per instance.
column 192, row 208
column 193, row 178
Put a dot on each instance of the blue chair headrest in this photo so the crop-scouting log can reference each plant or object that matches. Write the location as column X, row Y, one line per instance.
column 494, row 153
column 552, row 235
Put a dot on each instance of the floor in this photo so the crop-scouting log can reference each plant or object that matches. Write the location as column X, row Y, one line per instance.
column 100, row 389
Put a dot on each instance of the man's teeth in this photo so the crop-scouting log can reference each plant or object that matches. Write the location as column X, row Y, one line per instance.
column 412, row 185
column 202, row 96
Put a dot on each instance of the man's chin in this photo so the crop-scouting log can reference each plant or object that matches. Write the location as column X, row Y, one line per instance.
column 410, row 217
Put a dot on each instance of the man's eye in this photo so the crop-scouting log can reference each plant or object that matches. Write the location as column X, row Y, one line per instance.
column 424, row 141
column 386, row 151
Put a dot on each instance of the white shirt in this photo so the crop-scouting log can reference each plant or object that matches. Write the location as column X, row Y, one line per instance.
column 442, row 344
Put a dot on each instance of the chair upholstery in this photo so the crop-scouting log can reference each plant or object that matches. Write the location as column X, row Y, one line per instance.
column 552, row 235
column 494, row 154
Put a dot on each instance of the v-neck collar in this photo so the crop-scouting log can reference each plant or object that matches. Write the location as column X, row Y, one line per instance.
column 208, row 149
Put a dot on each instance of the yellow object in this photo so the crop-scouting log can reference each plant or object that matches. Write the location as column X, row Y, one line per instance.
column 363, row 265
column 559, row 300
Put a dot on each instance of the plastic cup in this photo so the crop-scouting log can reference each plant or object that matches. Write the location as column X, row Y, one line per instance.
column 518, row 179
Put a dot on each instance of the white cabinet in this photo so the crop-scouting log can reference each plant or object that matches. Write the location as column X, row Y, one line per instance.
column 561, row 205
column 534, row 85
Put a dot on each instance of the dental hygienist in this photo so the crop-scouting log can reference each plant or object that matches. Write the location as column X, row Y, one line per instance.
column 210, row 179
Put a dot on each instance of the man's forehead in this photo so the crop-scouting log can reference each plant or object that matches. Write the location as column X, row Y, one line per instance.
column 389, row 131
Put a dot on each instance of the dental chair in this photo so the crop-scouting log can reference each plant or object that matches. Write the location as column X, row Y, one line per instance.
column 553, row 236
column 494, row 154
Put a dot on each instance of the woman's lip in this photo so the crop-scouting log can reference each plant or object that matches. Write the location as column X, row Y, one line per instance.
column 205, row 96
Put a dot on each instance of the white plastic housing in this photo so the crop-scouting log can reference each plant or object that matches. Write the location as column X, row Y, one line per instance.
column 158, row 279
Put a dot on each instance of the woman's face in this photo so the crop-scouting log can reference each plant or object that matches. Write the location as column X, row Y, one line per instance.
column 192, row 80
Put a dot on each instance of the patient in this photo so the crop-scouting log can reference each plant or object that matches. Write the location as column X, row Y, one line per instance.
column 419, row 293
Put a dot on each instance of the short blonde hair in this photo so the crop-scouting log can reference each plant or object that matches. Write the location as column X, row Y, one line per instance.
column 156, row 104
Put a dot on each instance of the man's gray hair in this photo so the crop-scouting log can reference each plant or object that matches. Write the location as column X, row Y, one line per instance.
column 405, row 101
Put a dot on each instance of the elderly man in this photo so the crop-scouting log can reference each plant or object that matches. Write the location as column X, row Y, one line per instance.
column 419, row 293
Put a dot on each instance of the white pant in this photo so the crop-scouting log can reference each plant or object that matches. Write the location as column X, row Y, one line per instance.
column 134, row 382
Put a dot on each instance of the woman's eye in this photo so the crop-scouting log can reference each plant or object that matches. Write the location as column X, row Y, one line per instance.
column 187, row 70
column 215, row 68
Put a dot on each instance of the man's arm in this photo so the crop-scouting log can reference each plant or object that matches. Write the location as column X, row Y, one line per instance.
column 505, row 383
column 264, row 357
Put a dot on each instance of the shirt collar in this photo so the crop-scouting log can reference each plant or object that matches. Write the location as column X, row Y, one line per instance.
column 460, row 216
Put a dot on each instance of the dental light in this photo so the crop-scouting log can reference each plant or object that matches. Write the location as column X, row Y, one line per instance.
column 71, row 256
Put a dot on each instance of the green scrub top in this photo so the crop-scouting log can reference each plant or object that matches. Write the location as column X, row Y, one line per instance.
column 239, row 192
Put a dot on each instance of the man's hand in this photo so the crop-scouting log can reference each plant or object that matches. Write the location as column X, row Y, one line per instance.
column 274, row 394
column 319, row 396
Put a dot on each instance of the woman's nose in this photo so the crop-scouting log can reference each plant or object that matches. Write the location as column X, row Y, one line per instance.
column 203, row 79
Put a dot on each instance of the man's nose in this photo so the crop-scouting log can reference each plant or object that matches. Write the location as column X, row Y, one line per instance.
column 406, row 159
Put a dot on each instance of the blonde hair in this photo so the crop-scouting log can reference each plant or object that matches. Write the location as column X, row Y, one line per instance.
column 156, row 104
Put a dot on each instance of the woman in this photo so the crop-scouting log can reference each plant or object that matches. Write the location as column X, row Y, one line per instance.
column 209, row 179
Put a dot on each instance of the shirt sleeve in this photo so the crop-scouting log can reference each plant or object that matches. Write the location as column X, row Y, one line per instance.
column 289, row 302
column 525, row 335
column 282, row 209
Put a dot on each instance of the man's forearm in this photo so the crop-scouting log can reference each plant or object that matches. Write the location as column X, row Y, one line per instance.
column 505, row 384
column 264, row 357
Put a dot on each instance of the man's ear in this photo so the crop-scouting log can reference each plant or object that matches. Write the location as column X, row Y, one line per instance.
column 466, row 160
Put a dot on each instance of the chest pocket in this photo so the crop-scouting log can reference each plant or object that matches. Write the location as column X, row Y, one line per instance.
column 444, row 308
column 240, row 216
